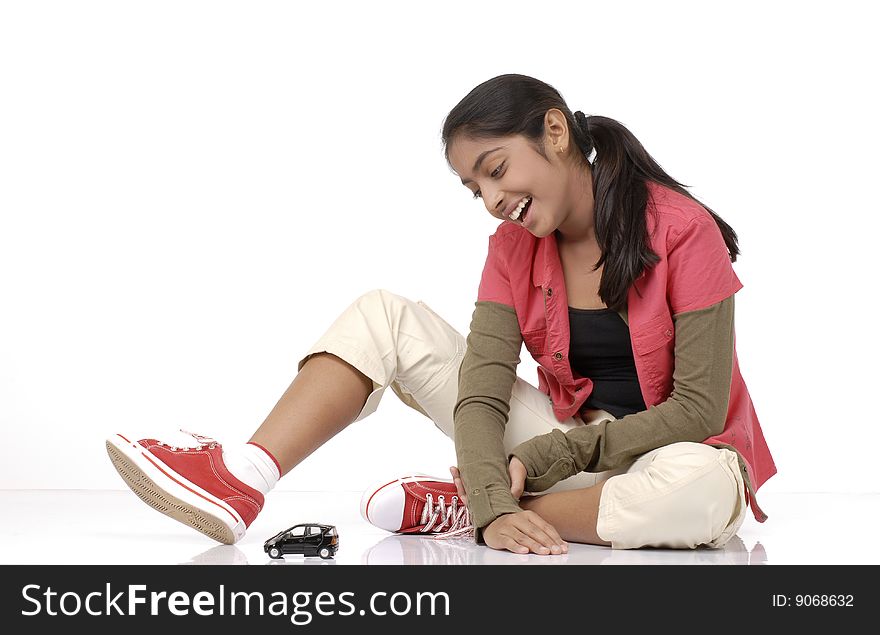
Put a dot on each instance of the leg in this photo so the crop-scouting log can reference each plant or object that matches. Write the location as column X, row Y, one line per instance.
column 677, row 496
column 557, row 508
column 385, row 340
column 325, row 396
column 381, row 340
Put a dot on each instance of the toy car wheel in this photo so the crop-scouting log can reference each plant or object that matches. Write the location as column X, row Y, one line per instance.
column 324, row 553
column 274, row 552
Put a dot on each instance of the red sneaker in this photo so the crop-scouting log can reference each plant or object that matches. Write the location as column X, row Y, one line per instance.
column 189, row 484
column 417, row 504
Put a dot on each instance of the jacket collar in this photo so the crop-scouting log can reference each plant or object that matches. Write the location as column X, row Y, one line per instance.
column 545, row 261
column 546, row 258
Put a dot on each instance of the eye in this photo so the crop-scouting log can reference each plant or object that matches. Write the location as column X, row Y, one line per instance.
column 494, row 174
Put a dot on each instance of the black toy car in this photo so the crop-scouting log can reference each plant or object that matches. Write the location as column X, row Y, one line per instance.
column 308, row 539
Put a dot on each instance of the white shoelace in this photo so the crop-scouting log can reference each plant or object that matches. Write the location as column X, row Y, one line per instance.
column 201, row 440
column 445, row 520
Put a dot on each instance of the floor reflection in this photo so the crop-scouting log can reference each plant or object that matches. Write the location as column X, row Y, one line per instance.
column 221, row 554
column 397, row 549
column 301, row 561
column 408, row 549
column 423, row 550
column 230, row 554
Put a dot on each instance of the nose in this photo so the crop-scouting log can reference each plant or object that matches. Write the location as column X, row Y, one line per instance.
column 494, row 203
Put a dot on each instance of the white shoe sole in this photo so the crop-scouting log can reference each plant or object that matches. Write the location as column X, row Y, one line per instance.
column 176, row 497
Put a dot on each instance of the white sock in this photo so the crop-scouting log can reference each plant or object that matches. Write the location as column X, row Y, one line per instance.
column 252, row 465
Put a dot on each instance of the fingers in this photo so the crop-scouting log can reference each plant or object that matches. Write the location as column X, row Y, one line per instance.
column 556, row 544
column 533, row 533
column 459, row 485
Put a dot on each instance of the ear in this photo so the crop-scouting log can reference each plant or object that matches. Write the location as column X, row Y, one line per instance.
column 556, row 129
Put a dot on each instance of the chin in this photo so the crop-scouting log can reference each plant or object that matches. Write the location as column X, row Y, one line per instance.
column 540, row 231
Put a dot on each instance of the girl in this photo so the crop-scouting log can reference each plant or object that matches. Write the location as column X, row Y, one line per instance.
column 641, row 431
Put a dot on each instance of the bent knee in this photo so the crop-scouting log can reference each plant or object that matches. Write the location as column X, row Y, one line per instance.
column 701, row 482
column 382, row 297
column 684, row 498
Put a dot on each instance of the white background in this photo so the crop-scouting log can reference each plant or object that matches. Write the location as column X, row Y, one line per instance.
column 190, row 193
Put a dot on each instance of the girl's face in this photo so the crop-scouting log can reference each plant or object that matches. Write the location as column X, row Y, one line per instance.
column 504, row 170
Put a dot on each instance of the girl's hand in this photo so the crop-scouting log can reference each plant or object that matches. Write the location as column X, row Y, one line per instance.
column 517, row 477
column 524, row 532
column 456, row 478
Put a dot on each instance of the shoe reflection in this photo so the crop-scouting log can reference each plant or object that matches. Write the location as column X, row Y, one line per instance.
column 398, row 549
column 221, row 554
column 415, row 549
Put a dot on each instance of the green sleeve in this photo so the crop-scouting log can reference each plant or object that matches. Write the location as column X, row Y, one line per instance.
column 696, row 409
column 485, row 382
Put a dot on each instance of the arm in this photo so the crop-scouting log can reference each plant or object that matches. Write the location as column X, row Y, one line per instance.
column 696, row 409
column 485, row 382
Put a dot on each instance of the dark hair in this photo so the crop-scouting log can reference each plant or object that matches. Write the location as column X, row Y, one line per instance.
column 516, row 104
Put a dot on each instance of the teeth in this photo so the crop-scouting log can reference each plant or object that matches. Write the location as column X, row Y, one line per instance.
column 514, row 215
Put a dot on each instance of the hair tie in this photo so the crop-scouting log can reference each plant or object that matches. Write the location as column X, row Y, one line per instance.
column 583, row 121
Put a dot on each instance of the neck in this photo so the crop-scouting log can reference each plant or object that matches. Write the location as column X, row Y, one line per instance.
column 578, row 228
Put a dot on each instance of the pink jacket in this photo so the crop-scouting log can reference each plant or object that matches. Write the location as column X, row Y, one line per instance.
column 694, row 272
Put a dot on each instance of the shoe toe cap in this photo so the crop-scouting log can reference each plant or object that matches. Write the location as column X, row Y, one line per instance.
column 384, row 506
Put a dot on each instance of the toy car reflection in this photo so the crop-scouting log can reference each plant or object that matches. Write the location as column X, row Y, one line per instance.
column 308, row 539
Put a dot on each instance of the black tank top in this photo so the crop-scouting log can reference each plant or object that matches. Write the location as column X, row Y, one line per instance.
column 601, row 350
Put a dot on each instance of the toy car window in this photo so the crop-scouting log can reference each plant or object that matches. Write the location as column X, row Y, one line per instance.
column 297, row 531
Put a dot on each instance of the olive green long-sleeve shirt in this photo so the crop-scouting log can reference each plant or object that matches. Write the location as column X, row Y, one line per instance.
column 695, row 410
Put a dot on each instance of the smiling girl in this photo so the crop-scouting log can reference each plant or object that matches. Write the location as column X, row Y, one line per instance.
column 641, row 431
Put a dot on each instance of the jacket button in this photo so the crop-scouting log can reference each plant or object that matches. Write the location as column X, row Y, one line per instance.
column 549, row 292
column 557, row 355
column 668, row 333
